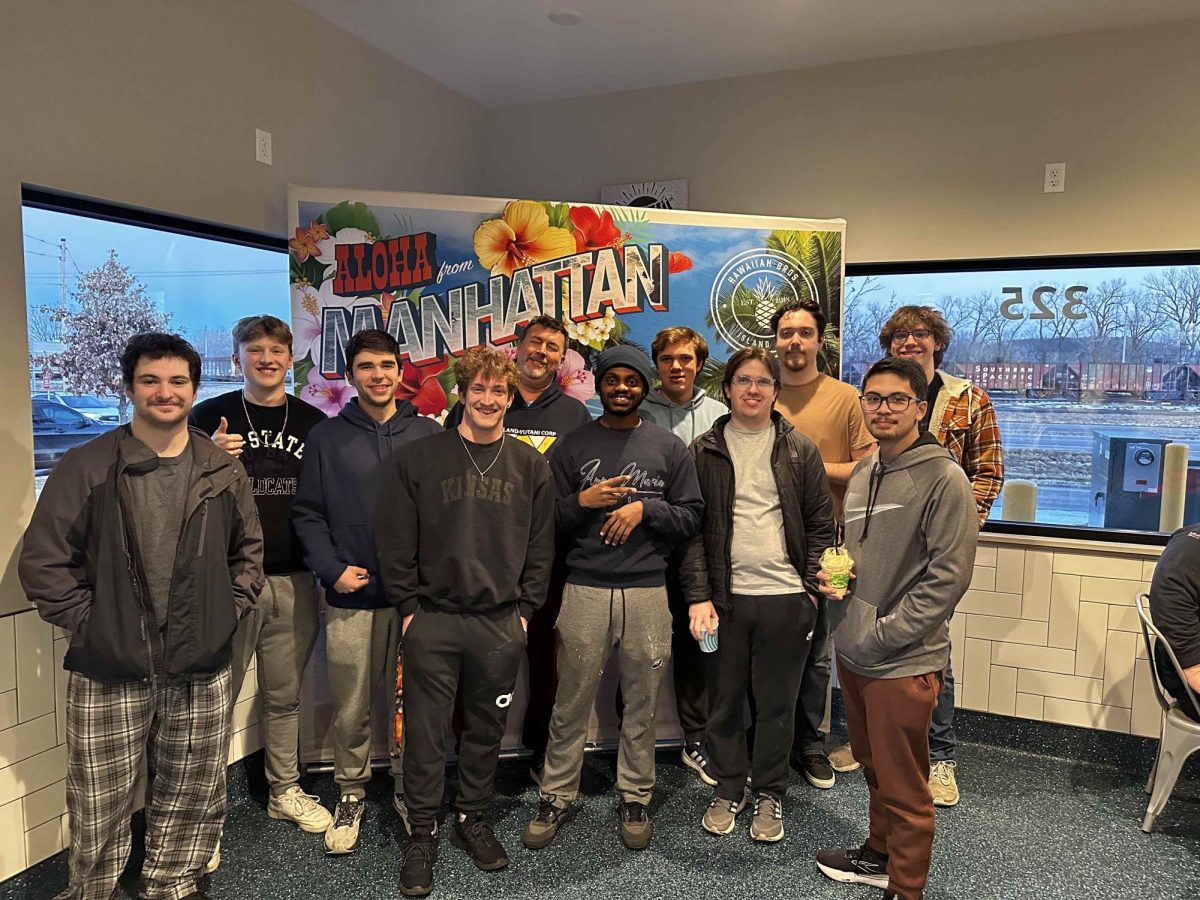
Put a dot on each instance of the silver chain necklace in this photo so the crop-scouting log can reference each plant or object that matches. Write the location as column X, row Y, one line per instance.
column 250, row 421
column 482, row 472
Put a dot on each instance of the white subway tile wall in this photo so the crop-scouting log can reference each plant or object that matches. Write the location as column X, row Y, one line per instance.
column 33, row 750
column 1043, row 634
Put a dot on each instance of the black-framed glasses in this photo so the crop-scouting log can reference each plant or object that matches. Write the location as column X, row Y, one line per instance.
column 744, row 381
column 919, row 333
column 895, row 402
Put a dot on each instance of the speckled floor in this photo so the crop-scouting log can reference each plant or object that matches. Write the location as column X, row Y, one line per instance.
column 1030, row 826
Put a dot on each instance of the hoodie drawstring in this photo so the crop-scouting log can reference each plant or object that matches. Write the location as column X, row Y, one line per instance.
column 873, row 486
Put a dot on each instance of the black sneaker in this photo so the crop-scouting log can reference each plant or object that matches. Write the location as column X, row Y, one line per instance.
column 545, row 824
column 636, row 829
column 861, row 865
column 473, row 834
column 416, row 875
column 817, row 770
column 693, row 757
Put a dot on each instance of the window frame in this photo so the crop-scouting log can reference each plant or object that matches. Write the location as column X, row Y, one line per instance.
column 1019, row 263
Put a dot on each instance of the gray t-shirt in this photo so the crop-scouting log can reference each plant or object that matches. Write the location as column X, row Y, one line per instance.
column 158, row 505
column 759, row 562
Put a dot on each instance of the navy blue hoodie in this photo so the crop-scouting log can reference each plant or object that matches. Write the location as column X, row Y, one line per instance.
column 340, row 480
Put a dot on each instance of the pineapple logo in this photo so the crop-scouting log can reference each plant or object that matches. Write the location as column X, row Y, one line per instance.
column 748, row 290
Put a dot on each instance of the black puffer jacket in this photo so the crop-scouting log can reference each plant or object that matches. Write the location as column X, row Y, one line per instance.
column 80, row 562
column 804, row 495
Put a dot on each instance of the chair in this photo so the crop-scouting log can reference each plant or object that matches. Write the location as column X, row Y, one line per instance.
column 1180, row 736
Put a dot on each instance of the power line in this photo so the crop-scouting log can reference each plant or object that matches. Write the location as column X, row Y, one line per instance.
column 40, row 240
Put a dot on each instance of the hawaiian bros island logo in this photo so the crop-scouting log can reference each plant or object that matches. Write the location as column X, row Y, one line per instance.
column 747, row 291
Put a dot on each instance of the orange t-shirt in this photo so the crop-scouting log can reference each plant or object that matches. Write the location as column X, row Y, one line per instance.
column 826, row 411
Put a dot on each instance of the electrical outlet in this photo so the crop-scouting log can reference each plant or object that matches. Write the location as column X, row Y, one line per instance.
column 262, row 146
column 1056, row 178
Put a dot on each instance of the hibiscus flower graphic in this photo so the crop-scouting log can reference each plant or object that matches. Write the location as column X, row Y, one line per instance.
column 593, row 231
column 574, row 378
column 523, row 237
column 327, row 394
column 420, row 387
column 678, row 262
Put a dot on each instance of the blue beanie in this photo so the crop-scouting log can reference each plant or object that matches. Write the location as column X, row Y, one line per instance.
column 624, row 355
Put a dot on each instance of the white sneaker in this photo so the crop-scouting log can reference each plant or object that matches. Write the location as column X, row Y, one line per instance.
column 342, row 835
column 293, row 805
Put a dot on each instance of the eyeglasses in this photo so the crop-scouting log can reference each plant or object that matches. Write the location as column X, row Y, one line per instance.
column 899, row 337
column 895, row 402
column 745, row 381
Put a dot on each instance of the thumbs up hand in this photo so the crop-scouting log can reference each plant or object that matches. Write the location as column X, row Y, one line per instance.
column 230, row 443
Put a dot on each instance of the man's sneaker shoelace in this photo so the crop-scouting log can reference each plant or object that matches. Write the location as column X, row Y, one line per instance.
column 547, row 812
column 300, row 802
column 347, row 812
column 776, row 807
column 942, row 772
column 633, row 811
column 424, row 849
column 479, row 830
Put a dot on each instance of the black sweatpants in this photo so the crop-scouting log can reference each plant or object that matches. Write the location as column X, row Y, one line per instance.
column 763, row 645
column 483, row 652
column 694, row 671
column 542, row 653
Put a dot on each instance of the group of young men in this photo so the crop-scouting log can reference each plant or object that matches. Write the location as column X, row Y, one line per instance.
column 671, row 523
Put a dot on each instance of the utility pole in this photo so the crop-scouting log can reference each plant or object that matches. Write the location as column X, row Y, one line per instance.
column 62, row 273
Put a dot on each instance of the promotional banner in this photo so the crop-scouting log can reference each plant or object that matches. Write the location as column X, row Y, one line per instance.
column 443, row 273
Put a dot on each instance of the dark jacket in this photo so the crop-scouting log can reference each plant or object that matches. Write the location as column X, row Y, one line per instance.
column 805, row 500
column 341, row 477
column 1175, row 606
column 540, row 423
column 81, row 565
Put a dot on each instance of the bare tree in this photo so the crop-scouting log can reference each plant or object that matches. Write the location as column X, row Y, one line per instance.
column 1105, row 305
column 1139, row 324
column 1175, row 294
column 42, row 326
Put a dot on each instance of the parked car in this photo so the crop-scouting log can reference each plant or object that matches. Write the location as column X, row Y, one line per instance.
column 98, row 409
column 58, row 428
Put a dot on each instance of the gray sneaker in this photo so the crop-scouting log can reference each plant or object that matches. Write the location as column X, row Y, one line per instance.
column 721, row 815
column 767, row 824
column 342, row 835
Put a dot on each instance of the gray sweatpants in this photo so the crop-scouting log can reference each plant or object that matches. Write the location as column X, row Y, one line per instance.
column 592, row 622
column 361, row 649
column 282, row 628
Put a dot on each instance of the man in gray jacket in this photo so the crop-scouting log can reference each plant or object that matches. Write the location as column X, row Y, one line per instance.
column 679, row 354
column 910, row 523
column 146, row 547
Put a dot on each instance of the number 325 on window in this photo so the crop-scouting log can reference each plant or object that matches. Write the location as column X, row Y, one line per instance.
column 1045, row 304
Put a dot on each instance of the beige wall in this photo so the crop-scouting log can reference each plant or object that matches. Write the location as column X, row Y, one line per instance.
column 155, row 104
column 938, row 155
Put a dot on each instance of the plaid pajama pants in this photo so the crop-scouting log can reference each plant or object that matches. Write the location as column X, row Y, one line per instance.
column 181, row 731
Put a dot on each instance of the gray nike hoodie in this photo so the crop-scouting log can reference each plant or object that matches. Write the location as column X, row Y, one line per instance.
column 911, row 527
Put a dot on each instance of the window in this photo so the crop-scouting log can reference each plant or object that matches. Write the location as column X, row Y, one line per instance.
column 97, row 273
column 1092, row 364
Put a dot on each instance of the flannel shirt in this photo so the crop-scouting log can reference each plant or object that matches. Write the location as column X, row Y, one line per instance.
column 966, row 426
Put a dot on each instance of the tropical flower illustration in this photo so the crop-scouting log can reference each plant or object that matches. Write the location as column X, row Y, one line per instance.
column 574, row 378
column 419, row 385
column 523, row 237
column 304, row 244
column 678, row 262
column 327, row 394
column 306, row 322
column 594, row 332
column 592, row 231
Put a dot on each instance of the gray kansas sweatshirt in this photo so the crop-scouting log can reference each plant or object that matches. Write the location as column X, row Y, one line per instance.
column 911, row 528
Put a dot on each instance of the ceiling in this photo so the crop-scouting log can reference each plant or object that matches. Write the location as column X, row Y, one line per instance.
column 504, row 52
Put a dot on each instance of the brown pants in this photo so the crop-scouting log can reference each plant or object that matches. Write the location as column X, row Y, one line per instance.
column 888, row 720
